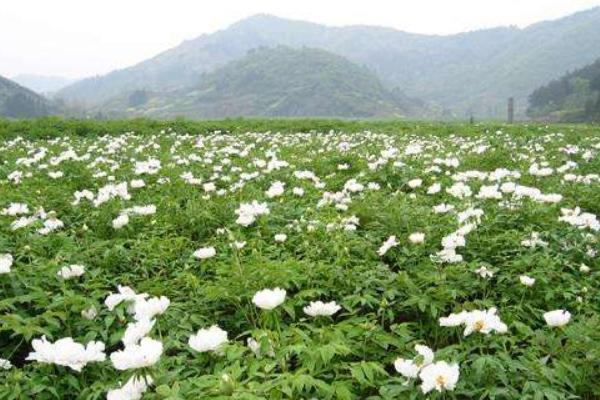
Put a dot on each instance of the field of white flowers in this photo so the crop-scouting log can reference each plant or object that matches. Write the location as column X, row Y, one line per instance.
column 456, row 262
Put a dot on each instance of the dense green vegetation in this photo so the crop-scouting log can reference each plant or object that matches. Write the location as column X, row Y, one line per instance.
column 399, row 224
column 574, row 97
column 278, row 81
column 19, row 102
column 468, row 73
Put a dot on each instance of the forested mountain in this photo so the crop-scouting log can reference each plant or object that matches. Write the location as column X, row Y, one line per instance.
column 19, row 102
column 468, row 73
column 573, row 97
column 278, row 81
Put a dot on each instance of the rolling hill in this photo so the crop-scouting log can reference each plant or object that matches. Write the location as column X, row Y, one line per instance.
column 278, row 81
column 575, row 97
column 17, row 101
column 467, row 73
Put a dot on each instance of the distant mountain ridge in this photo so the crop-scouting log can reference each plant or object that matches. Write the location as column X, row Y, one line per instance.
column 42, row 84
column 468, row 73
column 17, row 101
column 268, row 82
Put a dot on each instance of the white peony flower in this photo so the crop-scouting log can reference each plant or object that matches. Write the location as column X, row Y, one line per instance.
column 275, row 190
column 125, row 294
column 147, row 309
column 204, row 253
column 66, row 352
column 210, row 339
column 387, row 245
column 71, row 271
column 318, row 308
column 268, row 299
column 89, row 313
column 280, row 237
column 136, row 331
column 132, row 390
column 415, row 183
column 6, row 261
column 120, row 221
column 439, row 376
column 5, row 364
column 410, row 368
column 145, row 354
column 417, row 238
column 526, row 280
column 557, row 318
column 484, row 272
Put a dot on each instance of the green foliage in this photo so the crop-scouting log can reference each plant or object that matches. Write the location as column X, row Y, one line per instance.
column 389, row 303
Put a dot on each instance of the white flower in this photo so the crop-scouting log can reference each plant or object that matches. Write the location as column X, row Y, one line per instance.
column 147, row 309
column 238, row 245
column 388, row 244
column 247, row 212
column 557, row 318
column 476, row 321
column 125, row 294
column 406, row 368
column 439, row 376
column 526, row 280
column 210, row 339
column 137, row 183
column 15, row 209
column 205, row 252
column 66, row 352
column 454, row 319
column 5, row 364
column 268, row 299
column 298, row 191
column 275, row 190
column 417, row 238
column 71, row 271
column 120, row 221
column 483, row 322
column 254, row 346
column 318, row 308
column 136, row 331
column 435, row 188
column 132, row 390
column 410, row 368
column 6, row 261
column 144, row 354
column 89, row 313
column 484, row 272
column 415, row 183
column 584, row 269
column 280, row 237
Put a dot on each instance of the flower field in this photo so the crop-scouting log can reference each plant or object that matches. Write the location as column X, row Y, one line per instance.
column 392, row 261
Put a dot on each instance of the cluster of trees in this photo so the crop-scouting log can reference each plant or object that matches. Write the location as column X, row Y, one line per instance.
column 573, row 97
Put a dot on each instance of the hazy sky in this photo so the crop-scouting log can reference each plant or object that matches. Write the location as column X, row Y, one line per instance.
column 77, row 38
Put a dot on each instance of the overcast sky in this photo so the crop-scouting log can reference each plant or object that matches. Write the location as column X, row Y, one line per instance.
column 77, row 38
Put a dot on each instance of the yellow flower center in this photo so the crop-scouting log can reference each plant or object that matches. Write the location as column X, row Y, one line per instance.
column 479, row 325
column 440, row 380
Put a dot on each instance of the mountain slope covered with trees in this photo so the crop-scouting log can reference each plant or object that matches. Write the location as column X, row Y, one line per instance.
column 573, row 97
column 467, row 73
column 279, row 81
column 17, row 101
